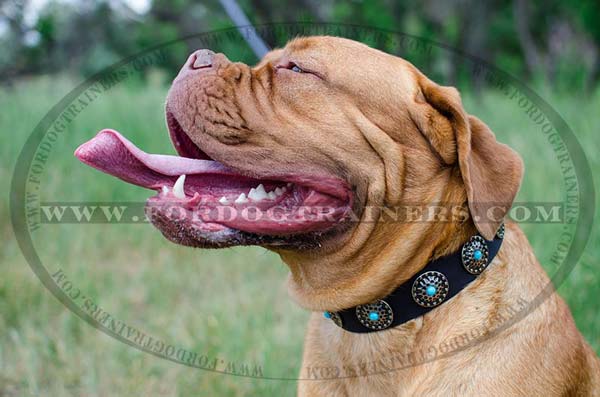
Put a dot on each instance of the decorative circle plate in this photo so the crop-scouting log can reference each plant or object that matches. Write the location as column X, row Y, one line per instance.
column 376, row 315
column 430, row 289
column 500, row 232
column 475, row 255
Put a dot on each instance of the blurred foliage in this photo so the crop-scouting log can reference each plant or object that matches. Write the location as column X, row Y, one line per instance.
column 551, row 41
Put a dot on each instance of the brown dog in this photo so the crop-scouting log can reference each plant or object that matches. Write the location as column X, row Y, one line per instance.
column 328, row 123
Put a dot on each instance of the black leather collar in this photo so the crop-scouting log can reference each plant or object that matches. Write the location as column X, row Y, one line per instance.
column 435, row 284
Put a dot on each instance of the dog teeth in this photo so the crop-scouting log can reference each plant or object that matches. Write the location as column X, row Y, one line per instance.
column 258, row 194
column 241, row 199
column 223, row 200
column 165, row 190
column 178, row 187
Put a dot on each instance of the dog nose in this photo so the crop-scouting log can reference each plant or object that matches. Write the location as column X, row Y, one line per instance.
column 201, row 63
column 202, row 59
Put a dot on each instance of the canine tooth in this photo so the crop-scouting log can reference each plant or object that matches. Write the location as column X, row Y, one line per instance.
column 223, row 200
column 241, row 199
column 178, row 187
column 272, row 195
column 258, row 193
column 165, row 190
column 279, row 191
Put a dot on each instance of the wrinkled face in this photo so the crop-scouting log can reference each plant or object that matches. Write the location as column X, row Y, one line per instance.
column 304, row 152
column 286, row 154
column 298, row 130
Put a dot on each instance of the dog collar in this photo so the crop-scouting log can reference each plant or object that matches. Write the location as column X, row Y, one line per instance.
column 435, row 284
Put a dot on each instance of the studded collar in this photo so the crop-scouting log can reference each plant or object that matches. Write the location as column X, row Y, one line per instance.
column 435, row 284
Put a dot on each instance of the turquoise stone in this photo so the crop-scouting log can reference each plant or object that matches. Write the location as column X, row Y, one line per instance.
column 373, row 316
column 431, row 290
column 477, row 255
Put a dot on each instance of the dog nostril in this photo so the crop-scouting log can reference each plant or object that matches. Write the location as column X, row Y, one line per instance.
column 202, row 59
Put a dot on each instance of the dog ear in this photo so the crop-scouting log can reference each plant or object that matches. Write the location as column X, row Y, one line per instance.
column 491, row 171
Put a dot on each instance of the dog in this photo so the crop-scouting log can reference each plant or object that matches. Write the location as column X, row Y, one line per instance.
column 313, row 138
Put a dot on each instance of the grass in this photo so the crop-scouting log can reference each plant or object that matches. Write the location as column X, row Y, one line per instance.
column 229, row 304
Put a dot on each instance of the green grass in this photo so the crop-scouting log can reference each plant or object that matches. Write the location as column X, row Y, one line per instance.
column 230, row 304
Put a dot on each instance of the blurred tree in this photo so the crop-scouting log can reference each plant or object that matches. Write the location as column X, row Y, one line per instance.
column 587, row 12
column 551, row 40
column 13, row 54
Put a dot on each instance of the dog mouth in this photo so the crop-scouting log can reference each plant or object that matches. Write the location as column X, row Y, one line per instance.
column 204, row 203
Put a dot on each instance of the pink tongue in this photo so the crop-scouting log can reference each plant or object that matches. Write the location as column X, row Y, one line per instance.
column 112, row 153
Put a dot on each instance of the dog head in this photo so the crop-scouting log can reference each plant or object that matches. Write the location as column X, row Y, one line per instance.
column 320, row 138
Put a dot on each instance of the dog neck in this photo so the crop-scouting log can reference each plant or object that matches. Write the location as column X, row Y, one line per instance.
column 391, row 253
column 438, row 282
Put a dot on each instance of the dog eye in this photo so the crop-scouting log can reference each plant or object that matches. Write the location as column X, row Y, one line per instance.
column 291, row 66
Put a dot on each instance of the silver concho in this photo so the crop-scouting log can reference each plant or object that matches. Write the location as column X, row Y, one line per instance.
column 430, row 289
column 475, row 255
column 375, row 315
column 500, row 232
